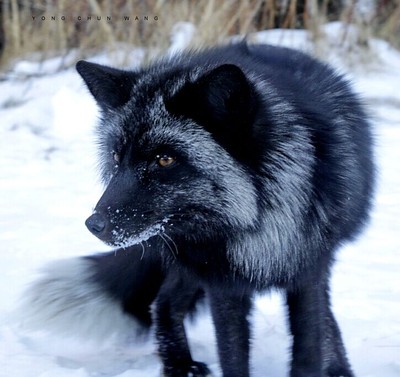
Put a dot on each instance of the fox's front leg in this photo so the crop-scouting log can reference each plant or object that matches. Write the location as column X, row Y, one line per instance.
column 230, row 310
column 317, row 349
column 175, row 298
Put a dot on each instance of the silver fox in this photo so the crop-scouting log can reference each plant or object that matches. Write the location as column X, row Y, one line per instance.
column 228, row 171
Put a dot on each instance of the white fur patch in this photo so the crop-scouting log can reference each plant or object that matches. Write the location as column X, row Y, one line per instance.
column 65, row 300
column 123, row 241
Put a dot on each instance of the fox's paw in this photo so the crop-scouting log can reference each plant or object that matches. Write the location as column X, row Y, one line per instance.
column 340, row 373
column 331, row 372
column 198, row 369
column 195, row 369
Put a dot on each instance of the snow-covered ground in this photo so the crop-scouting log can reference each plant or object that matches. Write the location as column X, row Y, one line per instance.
column 49, row 184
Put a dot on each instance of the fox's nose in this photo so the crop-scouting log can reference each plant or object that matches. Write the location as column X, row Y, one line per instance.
column 96, row 223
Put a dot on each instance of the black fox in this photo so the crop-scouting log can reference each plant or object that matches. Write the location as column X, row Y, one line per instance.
column 228, row 171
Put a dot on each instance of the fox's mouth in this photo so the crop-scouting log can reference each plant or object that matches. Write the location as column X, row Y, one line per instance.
column 121, row 235
column 123, row 239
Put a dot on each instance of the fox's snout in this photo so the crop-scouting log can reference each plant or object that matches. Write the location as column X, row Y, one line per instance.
column 96, row 223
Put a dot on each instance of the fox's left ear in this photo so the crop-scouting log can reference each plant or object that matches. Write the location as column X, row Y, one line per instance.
column 110, row 87
column 221, row 100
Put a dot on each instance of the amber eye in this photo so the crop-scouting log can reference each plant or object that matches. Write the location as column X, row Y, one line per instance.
column 116, row 157
column 165, row 160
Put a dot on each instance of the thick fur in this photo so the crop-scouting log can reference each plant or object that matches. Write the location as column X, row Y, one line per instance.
column 67, row 299
column 271, row 172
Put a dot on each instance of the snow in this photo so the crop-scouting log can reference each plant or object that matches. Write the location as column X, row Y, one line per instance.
column 181, row 35
column 49, row 185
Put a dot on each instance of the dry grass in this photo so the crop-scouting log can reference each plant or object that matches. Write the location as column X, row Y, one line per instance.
column 51, row 26
column 387, row 21
column 48, row 27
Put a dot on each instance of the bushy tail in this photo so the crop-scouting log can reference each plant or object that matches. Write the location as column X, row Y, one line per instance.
column 95, row 296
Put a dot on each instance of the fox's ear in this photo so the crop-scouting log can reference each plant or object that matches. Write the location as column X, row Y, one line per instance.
column 222, row 98
column 110, row 87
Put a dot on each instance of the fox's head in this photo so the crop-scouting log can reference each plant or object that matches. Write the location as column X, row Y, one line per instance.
column 175, row 152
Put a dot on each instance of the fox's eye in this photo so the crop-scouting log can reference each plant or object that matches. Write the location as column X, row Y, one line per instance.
column 165, row 160
column 116, row 157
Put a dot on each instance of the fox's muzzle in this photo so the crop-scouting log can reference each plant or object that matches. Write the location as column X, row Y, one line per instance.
column 96, row 224
column 111, row 211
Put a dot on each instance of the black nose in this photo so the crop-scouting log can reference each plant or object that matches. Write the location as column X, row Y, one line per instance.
column 96, row 223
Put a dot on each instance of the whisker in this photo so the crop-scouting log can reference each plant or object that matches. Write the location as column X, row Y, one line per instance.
column 169, row 246
column 173, row 242
column 143, row 250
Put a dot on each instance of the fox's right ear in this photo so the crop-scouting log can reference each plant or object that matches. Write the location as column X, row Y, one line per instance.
column 110, row 87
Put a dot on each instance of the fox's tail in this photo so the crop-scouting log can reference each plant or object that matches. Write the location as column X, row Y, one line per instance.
column 96, row 296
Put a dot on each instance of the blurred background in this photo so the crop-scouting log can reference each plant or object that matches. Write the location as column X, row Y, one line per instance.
column 44, row 28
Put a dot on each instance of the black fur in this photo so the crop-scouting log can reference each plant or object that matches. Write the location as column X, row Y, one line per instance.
column 272, row 171
column 131, row 279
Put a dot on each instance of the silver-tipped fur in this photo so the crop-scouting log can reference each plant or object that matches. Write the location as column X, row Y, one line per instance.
column 66, row 300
